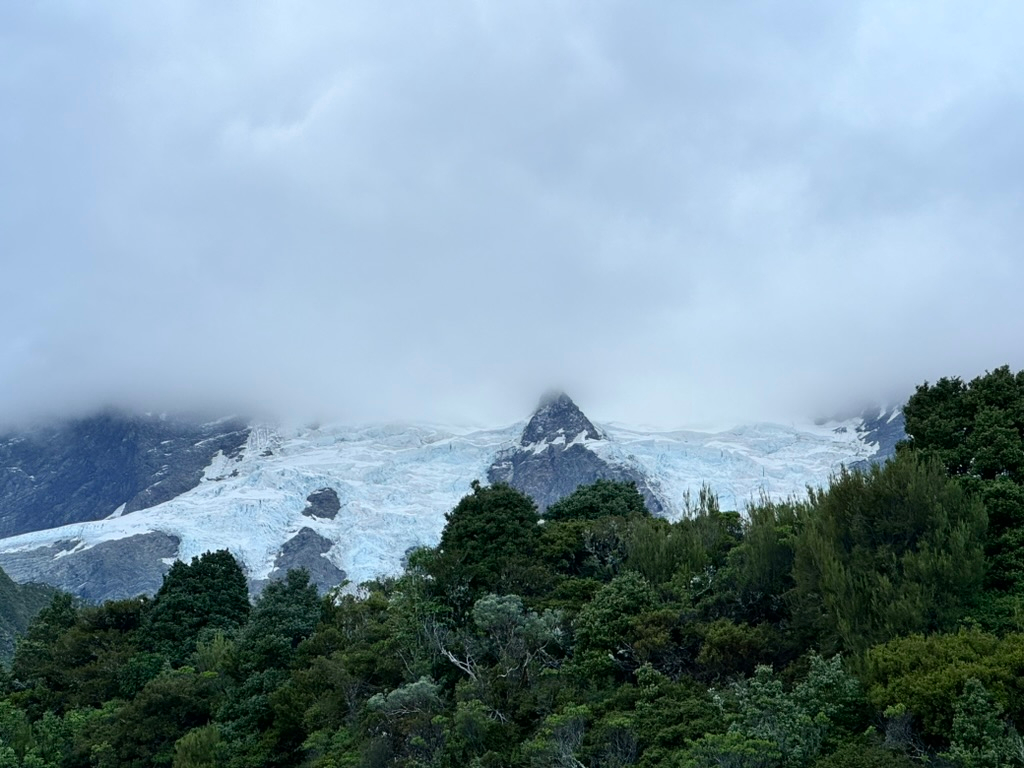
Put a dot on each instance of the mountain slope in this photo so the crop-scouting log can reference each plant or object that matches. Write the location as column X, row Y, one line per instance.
column 19, row 603
column 85, row 469
column 351, row 501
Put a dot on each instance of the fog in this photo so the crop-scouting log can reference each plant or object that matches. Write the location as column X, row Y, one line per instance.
column 363, row 211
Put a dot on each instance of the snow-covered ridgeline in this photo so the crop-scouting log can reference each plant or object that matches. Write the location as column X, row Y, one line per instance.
column 396, row 482
column 737, row 464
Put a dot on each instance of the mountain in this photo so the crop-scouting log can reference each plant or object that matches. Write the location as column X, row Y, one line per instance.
column 554, row 457
column 883, row 430
column 84, row 469
column 102, row 506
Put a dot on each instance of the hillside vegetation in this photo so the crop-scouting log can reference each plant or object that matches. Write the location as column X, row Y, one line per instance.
column 876, row 623
column 19, row 603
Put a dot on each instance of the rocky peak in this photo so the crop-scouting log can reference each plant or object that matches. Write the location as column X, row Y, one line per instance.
column 551, row 461
column 556, row 417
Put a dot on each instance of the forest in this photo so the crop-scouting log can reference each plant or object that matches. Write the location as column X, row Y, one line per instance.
column 875, row 623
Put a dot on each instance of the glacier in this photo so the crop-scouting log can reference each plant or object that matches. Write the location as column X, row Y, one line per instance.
column 396, row 482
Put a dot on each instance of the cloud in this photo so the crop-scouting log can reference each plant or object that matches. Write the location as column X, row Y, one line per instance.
column 681, row 214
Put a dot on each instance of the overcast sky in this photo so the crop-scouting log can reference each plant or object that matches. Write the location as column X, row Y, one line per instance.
column 681, row 213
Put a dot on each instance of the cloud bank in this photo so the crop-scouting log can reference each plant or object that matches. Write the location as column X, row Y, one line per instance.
column 682, row 215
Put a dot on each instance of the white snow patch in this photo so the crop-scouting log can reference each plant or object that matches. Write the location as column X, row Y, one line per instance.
column 220, row 466
column 79, row 547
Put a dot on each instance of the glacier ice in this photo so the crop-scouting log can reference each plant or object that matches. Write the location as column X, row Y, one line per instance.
column 396, row 482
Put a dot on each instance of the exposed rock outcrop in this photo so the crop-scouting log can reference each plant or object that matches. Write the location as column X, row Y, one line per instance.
column 884, row 429
column 306, row 549
column 86, row 469
column 553, row 458
column 322, row 503
column 110, row 570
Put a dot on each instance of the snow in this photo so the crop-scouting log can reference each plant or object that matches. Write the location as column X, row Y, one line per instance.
column 581, row 438
column 395, row 484
column 738, row 464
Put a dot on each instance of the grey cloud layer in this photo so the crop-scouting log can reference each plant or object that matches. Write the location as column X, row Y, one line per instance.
column 439, row 210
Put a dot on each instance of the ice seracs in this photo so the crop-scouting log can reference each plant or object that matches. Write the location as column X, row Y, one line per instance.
column 356, row 499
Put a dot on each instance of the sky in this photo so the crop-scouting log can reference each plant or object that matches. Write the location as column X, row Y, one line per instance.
column 680, row 213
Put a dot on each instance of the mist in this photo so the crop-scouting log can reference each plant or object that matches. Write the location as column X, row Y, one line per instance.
column 679, row 215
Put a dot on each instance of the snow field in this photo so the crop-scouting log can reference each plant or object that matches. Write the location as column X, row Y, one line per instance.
column 395, row 484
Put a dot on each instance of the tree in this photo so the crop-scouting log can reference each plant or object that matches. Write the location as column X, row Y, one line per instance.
column 858, row 754
column 36, row 665
column 609, row 626
column 668, row 715
column 503, row 652
column 981, row 738
column 888, row 551
column 285, row 614
column 82, row 657
column 143, row 732
column 977, row 431
column 405, row 722
column 772, row 727
column 260, row 720
column 603, row 498
column 924, row 676
column 490, row 534
column 208, row 596
column 199, row 748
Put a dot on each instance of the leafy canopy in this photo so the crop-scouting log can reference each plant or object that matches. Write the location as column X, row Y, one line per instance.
column 603, row 498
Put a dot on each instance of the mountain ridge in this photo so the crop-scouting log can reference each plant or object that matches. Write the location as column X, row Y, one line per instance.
column 350, row 502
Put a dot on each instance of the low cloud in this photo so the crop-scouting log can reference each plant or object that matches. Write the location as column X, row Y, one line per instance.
column 681, row 215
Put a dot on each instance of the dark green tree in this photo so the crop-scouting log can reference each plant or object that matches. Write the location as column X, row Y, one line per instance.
column 977, row 431
column 925, row 676
column 262, row 724
column 142, row 733
column 862, row 754
column 208, row 596
column 489, row 539
column 80, row 657
column 888, row 551
column 35, row 662
column 603, row 498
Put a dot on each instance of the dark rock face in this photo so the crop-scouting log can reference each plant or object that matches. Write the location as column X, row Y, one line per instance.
column 85, row 469
column 558, row 416
column 305, row 550
column 322, row 503
column 111, row 570
column 885, row 429
column 548, row 465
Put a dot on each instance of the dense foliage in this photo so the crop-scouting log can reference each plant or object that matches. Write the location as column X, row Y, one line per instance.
column 870, row 624
column 976, row 430
column 19, row 604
